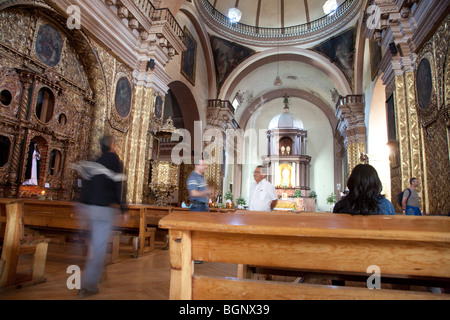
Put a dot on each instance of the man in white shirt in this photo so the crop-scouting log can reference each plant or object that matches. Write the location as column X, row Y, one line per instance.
column 263, row 196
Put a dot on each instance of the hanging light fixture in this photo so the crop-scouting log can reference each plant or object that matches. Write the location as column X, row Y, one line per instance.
column 234, row 14
column 330, row 6
column 278, row 82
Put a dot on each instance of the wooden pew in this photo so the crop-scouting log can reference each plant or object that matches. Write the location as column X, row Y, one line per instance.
column 398, row 245
column 14, row 245
column 139, row 219
column 142, row 219
column 61, row 219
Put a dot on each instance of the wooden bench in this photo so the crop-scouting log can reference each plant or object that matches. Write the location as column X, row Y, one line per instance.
column 14, row 245
column 399, row 245
column 68, row 230
column 140, row 220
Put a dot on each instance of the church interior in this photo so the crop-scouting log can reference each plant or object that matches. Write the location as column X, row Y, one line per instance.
column 308, row 89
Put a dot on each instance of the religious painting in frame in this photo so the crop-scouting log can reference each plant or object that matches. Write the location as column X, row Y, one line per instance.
column 48, row 45
column 227, row 56
column 188, row 58
column 390, row 118
column 158, row 107
column 123, row 97
column 341, row 51
column 424, row 84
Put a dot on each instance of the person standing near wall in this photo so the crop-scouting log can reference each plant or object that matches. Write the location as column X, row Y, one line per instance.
column 198, row 188
column 411, row 200
column 263, row 196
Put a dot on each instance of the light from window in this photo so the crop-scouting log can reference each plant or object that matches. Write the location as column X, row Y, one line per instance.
column 234, row 14
column 330, row 6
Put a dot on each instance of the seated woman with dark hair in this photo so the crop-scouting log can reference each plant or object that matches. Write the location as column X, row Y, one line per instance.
column 364, row 197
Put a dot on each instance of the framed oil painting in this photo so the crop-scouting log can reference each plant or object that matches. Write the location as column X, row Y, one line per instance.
column 424, row 84
column 123, row 97
column 341, row 51
column 189, row 57
column 227, row 56
column 48, row 45
column 390, row 115
column 158, row 107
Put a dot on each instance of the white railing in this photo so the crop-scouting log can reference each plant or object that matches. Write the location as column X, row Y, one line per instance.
column 262, row 32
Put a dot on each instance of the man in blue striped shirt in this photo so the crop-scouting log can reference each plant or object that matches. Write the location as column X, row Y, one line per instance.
column 198, row 188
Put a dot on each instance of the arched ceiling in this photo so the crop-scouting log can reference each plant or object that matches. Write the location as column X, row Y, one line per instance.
column 274, row 13
column 306, row 74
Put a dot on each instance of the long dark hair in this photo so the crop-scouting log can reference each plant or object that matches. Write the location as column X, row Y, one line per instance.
column 365, row 190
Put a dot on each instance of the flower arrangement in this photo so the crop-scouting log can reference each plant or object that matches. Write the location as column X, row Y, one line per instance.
column 241, row 201
column 229, row 196
column 297, row 194
column 331, row 198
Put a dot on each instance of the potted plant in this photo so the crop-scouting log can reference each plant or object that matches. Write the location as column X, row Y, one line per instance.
column 240, row 202
column 313, row 194
column 229, row 199
column 331, row 200
column 297, row 194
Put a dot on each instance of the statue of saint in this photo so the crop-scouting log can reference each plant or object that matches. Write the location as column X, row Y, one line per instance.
column 32, row 171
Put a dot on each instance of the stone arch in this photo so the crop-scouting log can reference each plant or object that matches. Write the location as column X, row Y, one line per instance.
column 286, row 54
column 188, row 105
column 275, row 94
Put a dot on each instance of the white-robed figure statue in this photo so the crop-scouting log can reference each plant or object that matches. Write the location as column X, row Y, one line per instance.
column 32, row 172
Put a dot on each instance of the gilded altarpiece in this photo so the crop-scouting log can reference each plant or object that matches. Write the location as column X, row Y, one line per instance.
column 51, row 93
column 432, row 79
column 79, row 83
column 421, row 121
column 144, row 125
column 408, row 150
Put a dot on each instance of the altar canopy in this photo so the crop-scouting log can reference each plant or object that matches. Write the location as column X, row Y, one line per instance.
column 287, row 161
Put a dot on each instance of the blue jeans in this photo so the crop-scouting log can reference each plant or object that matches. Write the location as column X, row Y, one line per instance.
column 101, row 219
column 198, row 206
column 413, row 211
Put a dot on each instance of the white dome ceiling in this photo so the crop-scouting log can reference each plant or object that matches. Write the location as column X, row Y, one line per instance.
column 286, row 120
column 274, row 13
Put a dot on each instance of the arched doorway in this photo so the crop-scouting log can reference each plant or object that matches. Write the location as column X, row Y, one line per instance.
column 181, row 106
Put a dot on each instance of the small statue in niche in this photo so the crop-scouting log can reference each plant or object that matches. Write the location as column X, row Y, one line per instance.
column 32, row 170
column 283, row 150
column 288, row 150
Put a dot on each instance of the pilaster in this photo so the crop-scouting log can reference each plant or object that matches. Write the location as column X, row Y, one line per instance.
column 351, row 115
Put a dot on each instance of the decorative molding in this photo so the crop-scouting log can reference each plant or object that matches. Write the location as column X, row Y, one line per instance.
column 310, row 36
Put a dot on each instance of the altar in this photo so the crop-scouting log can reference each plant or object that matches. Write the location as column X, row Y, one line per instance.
column 302, row 204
